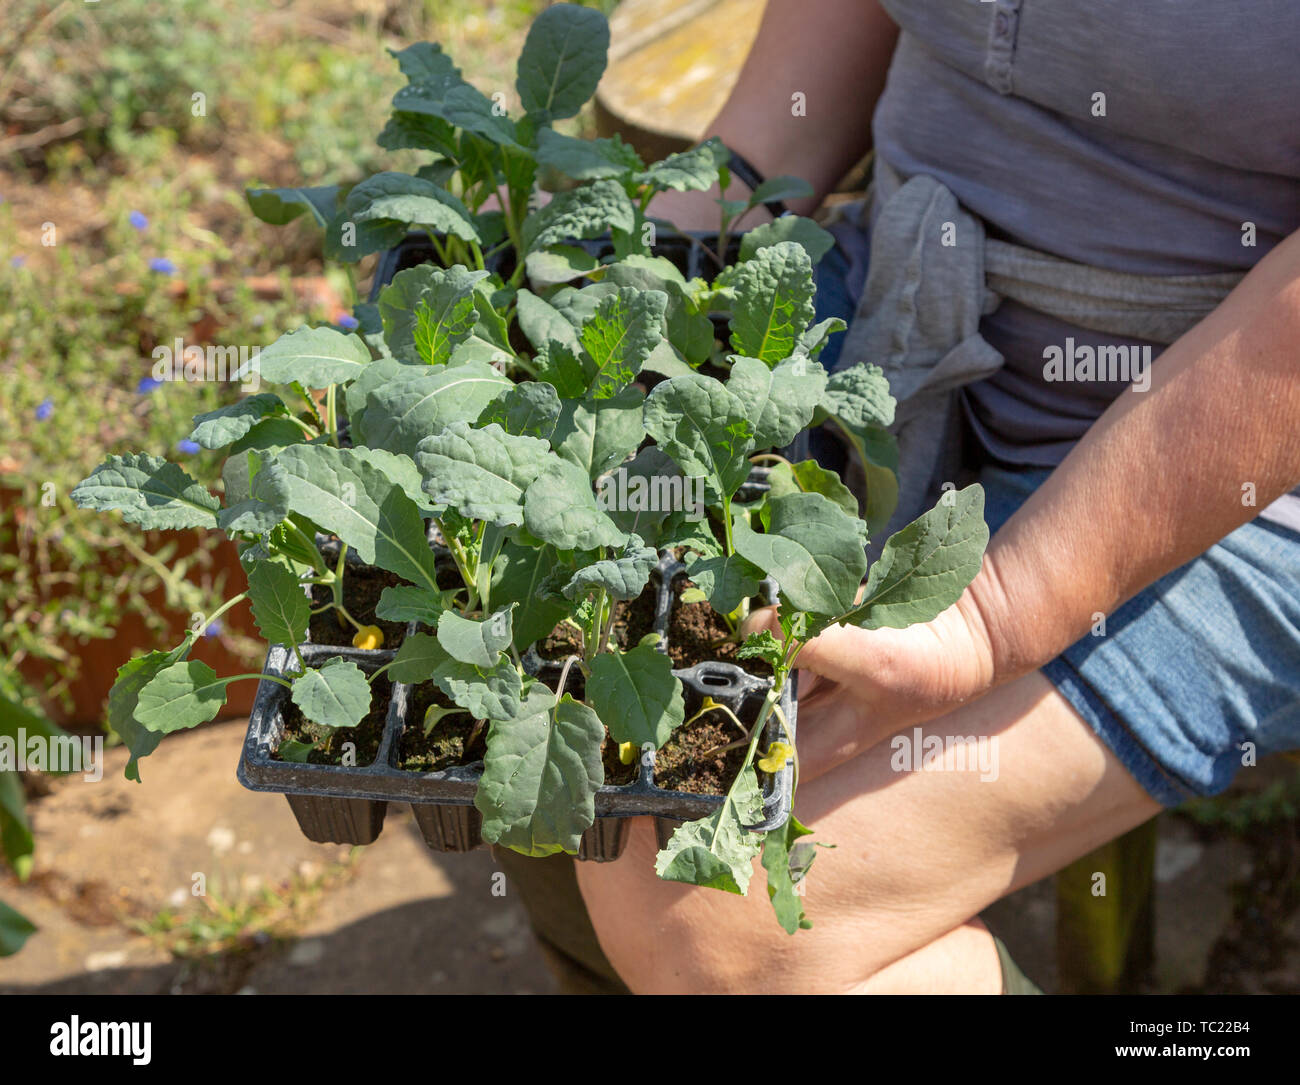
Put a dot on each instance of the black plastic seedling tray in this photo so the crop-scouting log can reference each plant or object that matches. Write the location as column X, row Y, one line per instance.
column 346, row 805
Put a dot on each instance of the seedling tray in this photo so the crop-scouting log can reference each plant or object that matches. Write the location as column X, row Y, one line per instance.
column 347, row 805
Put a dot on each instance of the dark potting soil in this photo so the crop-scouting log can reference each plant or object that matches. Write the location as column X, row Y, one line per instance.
column 632, row 621
column 330, row 745
column 362, row 587
column 698, row 634
column 454, row 740
column 685, row 763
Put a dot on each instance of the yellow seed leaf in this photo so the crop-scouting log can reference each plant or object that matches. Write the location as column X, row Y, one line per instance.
column 777, row 755
column 368, row 636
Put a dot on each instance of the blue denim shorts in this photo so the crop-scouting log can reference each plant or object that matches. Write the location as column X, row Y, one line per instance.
column 1197, row 674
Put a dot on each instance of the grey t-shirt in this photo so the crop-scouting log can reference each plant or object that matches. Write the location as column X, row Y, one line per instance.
column 1149, row 136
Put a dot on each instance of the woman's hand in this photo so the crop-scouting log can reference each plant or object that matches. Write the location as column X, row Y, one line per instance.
column 858, row 686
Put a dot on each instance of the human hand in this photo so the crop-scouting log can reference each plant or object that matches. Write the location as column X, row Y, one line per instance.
column 858, row 686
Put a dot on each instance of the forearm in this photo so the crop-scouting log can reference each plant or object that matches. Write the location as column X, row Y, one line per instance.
column 1158, row 479
column 835, row 53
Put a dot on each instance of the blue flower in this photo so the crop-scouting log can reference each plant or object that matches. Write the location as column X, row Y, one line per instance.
column 162, row 265
column 347, row 322
column 214, row 629
column 187, row 446
column 44, row 410
column 18, row 261
column 136, row 219
column 147, row 385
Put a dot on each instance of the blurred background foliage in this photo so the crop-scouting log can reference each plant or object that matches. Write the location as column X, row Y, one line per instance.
column 128, row 131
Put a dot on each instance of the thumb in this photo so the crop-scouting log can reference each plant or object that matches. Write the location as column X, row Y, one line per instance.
column 838, row 654
column 758, row 620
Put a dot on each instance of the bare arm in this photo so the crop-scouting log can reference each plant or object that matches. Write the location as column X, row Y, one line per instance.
column 1155, row 482
column 833, row 52
column 1158, row 479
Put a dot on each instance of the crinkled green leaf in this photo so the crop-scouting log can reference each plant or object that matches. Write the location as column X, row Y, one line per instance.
column 407, row 603
column 815, row 337
column 560, row 508
column 425, row 62
column 123, row 698
column 779, row 401
column 636, row 695
column 623, row 578
column 282, row 205
column 348, row 496
column 491, row 693
column 398, row 469
column 586, row 159
column 597, row 436
column 482, row 473
column 816, row 242
column 717, row 851
column 519, row 573
column 427, row 311
column 762, row 645
column 314, row 357
column 772, row 302
column 704, row 428
column 559, row 264
column 812, row 548
column 478, row 642
column 414, row 404
column 255, row 515
column 642, row 493
column 541, row 322
column 409, row 200
column 225, row 425
column 562, row 60
column 687, row 171
column 562, row 367
column 579, row 214
column 810, row 477
column 620, row 335
column 417, row 131
column 335, row 694
column 540, row 776
column 859, row 397
column 149, row 491
column 925, row 567
column 526, row 410
column 725, row 581
column 786, row 901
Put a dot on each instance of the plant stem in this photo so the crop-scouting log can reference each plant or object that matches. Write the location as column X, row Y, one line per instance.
column 564, row 677
column 260, row 677
column 607, row 629
column 222, row 609
column 331, row 416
